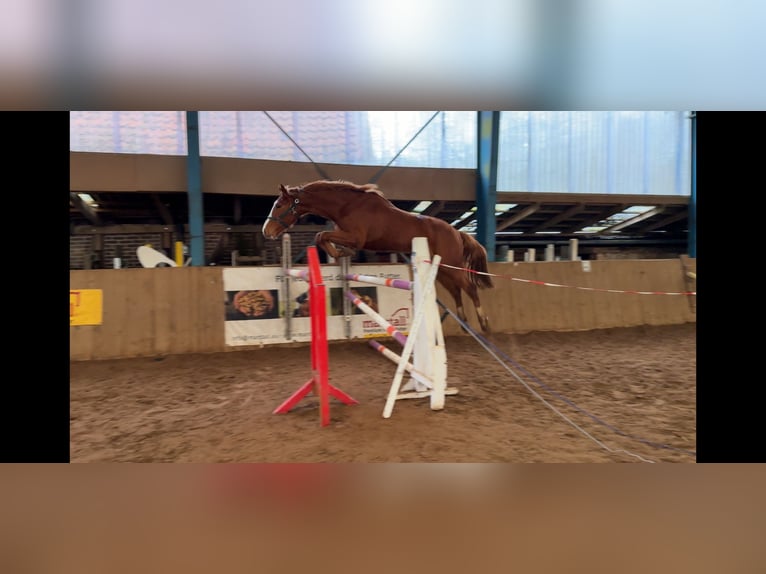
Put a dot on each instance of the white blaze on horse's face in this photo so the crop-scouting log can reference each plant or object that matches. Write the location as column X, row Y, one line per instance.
column 282, row 216
column 271, row 228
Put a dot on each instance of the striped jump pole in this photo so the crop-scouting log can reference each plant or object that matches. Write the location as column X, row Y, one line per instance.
column 298, row 273
column 409, row 367
column 319, row 381
column 414, row 373
column 426, row 385
column 378, row 318
column 395, row 283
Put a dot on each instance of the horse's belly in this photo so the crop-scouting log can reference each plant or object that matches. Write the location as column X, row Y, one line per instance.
column 397, row 234
column 398, row 244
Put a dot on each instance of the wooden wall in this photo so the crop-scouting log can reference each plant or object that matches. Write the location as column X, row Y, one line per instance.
column 154, row 312
column 519, row 307
column 151, row 312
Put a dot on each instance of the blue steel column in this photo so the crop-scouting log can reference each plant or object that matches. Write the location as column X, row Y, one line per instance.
column 693, row 198
column 486, row 182
column 194, row 190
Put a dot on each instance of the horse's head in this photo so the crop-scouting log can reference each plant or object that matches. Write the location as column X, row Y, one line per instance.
column 284, row 213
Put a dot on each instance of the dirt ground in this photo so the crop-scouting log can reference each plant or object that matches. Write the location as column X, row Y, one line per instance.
column 634, row 390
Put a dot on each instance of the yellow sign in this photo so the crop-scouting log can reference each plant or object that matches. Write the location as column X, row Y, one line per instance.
column 85, row 306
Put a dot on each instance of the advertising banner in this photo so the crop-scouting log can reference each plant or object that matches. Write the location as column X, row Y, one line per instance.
column 257, row 304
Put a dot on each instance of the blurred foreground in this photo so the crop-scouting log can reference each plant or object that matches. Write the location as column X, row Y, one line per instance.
column 371, row 518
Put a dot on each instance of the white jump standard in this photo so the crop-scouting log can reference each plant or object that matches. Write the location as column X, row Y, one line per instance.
column 425, row 341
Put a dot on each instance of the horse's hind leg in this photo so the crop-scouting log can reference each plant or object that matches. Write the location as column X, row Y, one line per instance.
column 457, row 296
column 480, row 314
column 448, row 280
column 473, row 293
column 455, row 282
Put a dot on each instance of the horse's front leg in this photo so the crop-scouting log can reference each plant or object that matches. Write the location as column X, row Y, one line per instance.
column 327, row 246
column 339, row 243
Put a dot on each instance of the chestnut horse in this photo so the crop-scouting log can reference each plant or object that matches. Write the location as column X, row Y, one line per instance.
column 365, row 219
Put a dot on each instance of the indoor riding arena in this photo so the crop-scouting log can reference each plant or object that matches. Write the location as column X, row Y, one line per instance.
column 190, row 324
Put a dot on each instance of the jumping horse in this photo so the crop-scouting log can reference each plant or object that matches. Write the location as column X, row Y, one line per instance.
column 365, row 219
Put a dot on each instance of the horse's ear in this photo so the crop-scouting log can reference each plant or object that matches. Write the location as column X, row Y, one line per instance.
column 282, row 189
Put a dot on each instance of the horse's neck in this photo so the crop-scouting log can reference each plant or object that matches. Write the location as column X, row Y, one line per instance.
column 330, row 204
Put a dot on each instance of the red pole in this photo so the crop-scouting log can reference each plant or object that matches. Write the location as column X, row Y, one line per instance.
column 320, row 362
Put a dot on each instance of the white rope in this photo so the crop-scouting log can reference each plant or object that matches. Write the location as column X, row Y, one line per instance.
column 550, row 406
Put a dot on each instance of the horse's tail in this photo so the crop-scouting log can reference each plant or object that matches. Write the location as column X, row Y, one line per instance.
column 475, row 259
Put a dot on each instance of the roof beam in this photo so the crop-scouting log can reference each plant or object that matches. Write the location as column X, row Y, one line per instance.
column 632, row 220
column 546, row 197
column 87, row 211
column 433, row 209
column 603, row 214
column 665, row 221
column 237, row 209
column 167, row 218
column 465, row 221
column 523, row 214
column 574, row 210
column 128, row 228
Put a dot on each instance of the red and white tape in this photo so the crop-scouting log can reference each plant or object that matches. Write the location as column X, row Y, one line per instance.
column 547, row 284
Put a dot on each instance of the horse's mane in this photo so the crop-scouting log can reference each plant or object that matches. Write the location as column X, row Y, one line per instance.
column 340, row 183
